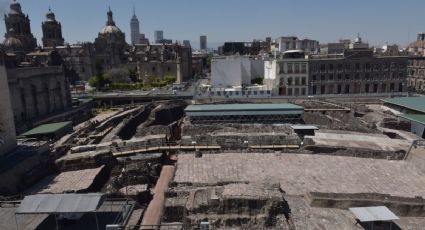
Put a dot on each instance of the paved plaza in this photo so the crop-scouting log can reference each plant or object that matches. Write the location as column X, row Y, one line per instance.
column 298, row 174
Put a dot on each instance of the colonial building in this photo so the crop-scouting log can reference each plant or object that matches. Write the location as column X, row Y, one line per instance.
column 18, row 27
column 416, row 67
column 416, row 74
column 158, row 61
column 52, row 31
column 37, row 89
column 357, row 71
column 287, row 76
column 7, row 125
column 79, row 60
column 283, row 44
column 110, row 44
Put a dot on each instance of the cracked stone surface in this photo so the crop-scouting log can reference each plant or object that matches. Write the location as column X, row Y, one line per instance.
column 298, row 173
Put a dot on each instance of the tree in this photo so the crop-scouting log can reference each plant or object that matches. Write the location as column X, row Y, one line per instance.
column 118, row 75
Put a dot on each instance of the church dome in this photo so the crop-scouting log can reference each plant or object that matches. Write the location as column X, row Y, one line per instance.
column 12, row 44
column 110, row 29
column 50, row 16
column 15, row 8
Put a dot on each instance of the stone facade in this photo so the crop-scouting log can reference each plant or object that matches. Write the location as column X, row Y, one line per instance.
column 7, row 126
column 37, row 92
column 52, row 31
column 416, row 74
column 356, row 72
column 110, row 44
column 79, row 60
column 18, row 27
column 157, row 61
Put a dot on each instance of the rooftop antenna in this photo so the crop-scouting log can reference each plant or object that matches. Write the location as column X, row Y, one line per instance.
column 134, row 9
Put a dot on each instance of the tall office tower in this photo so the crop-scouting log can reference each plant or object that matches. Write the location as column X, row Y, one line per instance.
column 158, row 36
column 135, row 28
column 203, row 42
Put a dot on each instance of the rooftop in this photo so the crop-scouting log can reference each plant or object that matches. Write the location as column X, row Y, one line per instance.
column 414, row 117
column 47, row 128
column 413, row 103
column 242, row 107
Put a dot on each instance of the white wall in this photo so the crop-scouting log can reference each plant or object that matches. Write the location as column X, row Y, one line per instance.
column 7, row 124
column 235, row 71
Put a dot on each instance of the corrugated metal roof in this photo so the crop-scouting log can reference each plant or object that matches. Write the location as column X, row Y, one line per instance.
column 60, row 203
column 413, row 103
column 242, row 107
column 414, row 117
column 300, row 127
column 377, row 213
column 47, row 128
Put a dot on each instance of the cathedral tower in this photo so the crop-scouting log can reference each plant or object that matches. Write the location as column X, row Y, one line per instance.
column 19, row 24
column 52, row 31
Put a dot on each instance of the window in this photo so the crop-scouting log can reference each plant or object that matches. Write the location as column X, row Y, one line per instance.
column 339, row 89
column 290, row 70
column 261, row 92
column 289, row 80
column 347, row 76
column 347, row 89
column 237, row 93
column 339, row 76
column 322, row 77
column 255, row 92
column 218, row 93
column 400, row 87
column 357, row 66
column 357, row 76
column 366, row 88
column 290, row 91
column 392, row 87
column 303, row 91
column 314, row 77
column 322, row 68
column 375, row 88
column 297, row 68
column 331, row 67
column 313, row 90
column 297, row 81
column 230, row 93
column 297, row 92
column 303, row 81
column 322, row 89
column 303, row 68
column 331, row 76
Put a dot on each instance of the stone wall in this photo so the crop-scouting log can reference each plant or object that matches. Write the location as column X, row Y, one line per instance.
column 401, row 206
column 7, row 126
column 36, row 93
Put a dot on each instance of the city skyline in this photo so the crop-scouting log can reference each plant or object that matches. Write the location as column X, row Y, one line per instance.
column 375, row 21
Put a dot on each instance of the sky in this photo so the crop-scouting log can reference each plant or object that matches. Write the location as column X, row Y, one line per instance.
column 379, row 22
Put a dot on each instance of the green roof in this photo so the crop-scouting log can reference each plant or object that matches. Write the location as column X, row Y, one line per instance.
column 242, row 107
column 414, row 117
column 47, row 128
column 413, row 103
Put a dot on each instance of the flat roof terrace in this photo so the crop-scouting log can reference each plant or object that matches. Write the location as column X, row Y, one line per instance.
column 298, row 174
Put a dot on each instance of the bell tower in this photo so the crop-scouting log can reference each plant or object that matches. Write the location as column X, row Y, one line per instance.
column 52, row 31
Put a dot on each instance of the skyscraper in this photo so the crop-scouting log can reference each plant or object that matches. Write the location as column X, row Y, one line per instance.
column 159, row 36
column 203, row 42
column 135, row 28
